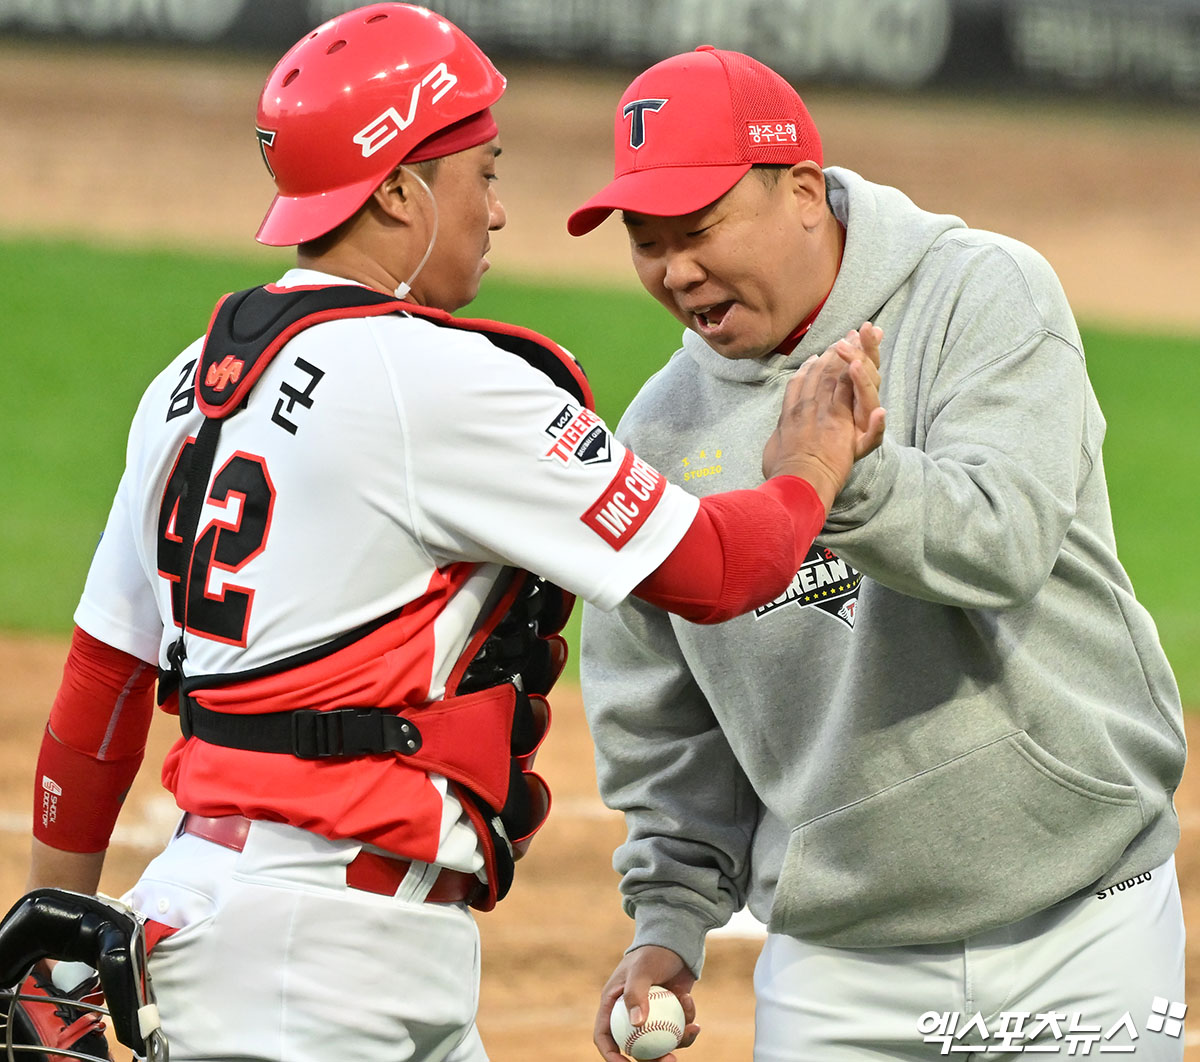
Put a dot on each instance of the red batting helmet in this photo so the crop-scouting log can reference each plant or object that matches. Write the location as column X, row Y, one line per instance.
column 355, row 98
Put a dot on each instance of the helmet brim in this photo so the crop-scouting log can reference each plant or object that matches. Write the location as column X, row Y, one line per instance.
column 296, row 219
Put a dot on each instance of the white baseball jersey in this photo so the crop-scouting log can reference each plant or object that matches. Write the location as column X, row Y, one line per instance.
column 361, row 512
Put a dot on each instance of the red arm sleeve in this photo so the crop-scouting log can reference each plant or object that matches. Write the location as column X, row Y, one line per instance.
column 741, row 551
column 93, row 745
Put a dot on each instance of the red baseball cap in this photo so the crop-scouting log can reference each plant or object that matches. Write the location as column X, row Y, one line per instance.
column 689, row 128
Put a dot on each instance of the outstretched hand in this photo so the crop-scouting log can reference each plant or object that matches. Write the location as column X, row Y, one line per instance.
column 831, row 415
column 860, row 350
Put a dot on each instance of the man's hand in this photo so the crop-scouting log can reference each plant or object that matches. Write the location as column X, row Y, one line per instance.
column 636, row 972
column 860, row 350
column 831, row 415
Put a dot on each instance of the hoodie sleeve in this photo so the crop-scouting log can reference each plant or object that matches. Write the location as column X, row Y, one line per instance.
column 970, row 497
column 662, row 759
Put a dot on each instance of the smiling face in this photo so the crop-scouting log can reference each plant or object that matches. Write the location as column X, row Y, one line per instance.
column 468, row 211
column 744, row 271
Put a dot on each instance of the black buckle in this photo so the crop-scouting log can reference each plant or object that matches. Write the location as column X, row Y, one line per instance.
column 318, row 735
column 186, row 726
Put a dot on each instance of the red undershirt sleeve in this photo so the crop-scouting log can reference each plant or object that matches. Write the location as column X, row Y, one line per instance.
column 741, row 551
column 93, row 745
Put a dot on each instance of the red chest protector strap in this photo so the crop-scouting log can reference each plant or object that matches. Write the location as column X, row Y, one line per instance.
column 248, row 328
column 483, row 736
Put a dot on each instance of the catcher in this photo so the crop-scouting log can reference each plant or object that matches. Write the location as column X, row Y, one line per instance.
column 349, row 531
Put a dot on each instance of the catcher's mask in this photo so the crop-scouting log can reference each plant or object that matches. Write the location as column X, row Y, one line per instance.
column 44, row 1016
column 360, row 94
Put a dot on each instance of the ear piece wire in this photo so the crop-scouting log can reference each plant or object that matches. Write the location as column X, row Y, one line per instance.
column 404, row 288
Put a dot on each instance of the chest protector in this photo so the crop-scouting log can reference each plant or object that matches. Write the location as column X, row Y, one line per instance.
column 483, row 735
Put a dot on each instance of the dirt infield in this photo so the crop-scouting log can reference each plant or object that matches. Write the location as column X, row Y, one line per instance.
column 161, row 151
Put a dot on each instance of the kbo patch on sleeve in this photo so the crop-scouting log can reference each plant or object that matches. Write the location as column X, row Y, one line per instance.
column 631, row 497
column 580, row 434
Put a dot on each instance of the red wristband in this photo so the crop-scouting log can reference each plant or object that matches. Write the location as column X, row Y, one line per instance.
column 93, row 745
column 77, row 797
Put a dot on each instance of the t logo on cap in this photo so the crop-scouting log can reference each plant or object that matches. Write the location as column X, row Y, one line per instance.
column 637, row 127
column 728, row 114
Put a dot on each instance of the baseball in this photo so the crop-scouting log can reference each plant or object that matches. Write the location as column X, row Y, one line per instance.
column 659, row 1033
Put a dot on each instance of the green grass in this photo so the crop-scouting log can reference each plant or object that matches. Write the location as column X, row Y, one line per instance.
column 620, row 336
column 1147, row 387
column 86, row 328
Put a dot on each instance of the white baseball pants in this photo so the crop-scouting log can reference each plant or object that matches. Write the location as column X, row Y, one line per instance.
column 1090, row 977
column 278, row 961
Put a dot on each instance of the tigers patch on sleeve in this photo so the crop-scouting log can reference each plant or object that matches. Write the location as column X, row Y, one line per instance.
column 579, row 434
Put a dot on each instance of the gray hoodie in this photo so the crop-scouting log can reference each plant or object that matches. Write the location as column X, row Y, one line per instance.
column 958, row 714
